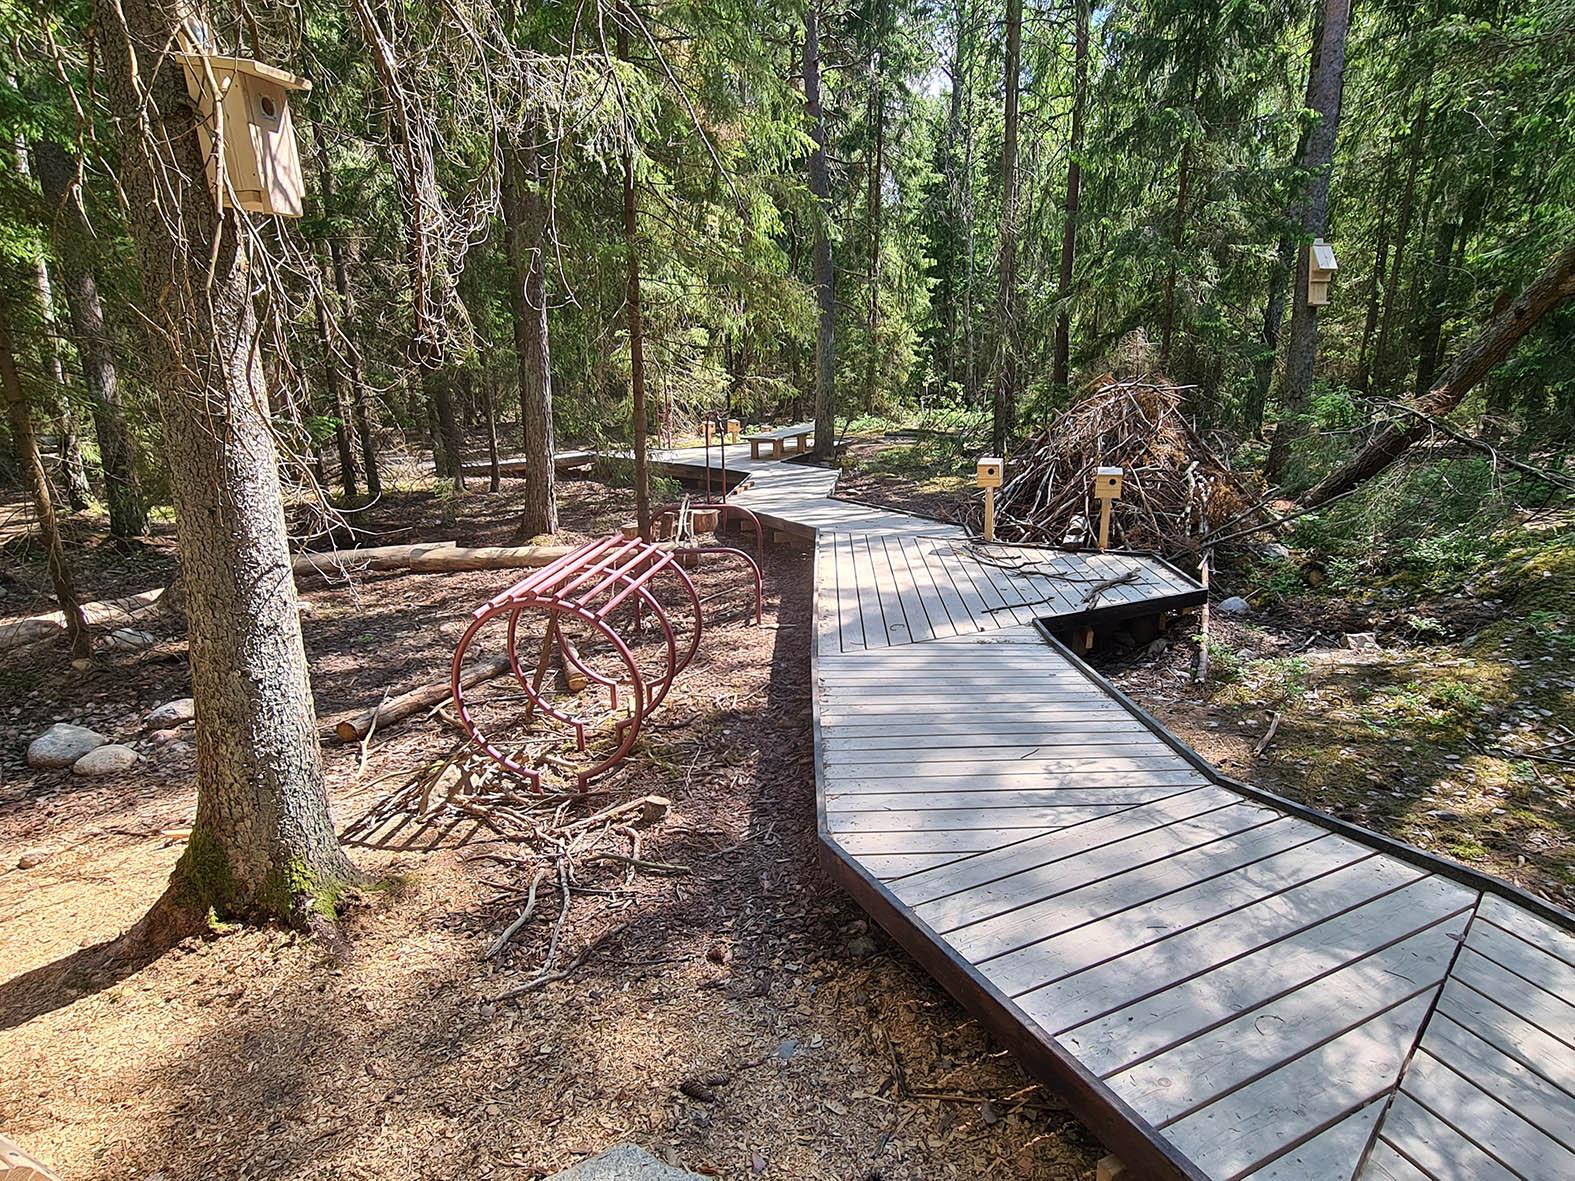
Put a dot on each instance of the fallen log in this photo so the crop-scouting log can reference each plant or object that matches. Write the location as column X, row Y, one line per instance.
column 16, row 633
column 396, row 709
column 429, row 558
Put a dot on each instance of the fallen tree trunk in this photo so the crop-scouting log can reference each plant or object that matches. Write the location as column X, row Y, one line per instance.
column 1476, row 361
column 16, row 633
column 397, row 709
column 430, row 558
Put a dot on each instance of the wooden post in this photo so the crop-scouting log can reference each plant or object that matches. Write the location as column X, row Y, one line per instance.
column 1107, row 488
column 987, row 474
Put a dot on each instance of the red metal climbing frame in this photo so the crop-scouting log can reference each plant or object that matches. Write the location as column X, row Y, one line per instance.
column 602, row 591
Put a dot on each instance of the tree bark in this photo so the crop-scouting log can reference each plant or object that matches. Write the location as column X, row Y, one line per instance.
column 32, row 464
column 1177, row 234
column 1375, row 282
column 1325, row 86
column 359, row 399
column 631, row 242
column 1060, row 371
column 526, row 243
column 1430, row 327
column 1476, row 360
column 434, row 380
column 1004, row 412
column 1381, row 365
column 57, row 172
column 825, row 293
column 262, row 845
column 875, row 167
column 336, row 396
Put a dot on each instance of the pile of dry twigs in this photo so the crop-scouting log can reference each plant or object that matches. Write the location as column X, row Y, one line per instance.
column 1176, row 487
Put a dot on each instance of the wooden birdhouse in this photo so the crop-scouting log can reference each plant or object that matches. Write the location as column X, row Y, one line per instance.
column 246, row 105
column 988, row 472
column 1321, row 266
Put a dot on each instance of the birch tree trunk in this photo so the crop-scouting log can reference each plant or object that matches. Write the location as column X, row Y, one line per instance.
column 262, row 845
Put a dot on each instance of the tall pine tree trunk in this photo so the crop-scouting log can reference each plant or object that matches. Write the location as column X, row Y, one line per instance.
column 631, row 242
column 872, row 277
column 360, row 409
column 1060, row 372
column 1382, row 365
column 262, row 844
column 526, row 241
column 825, row 293
column 1325, row 84
column 336, row 396
column 128, row 513
column 25, row 442
column 1004, row 416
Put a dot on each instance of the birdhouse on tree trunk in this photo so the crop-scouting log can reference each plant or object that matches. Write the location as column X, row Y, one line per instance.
column 246, row 132
column 1321, row 266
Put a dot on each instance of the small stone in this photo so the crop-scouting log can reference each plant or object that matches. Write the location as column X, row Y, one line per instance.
column 1235, row 605
column 861, row 947
column 787, row 1049
column 171, row 713
column 161, row 737
column 129, row 639
column 1361, row 641
column 106, row 760
column 62, row 745
column 31, row 858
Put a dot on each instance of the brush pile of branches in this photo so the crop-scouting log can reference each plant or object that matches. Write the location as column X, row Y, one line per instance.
column 1176, row 487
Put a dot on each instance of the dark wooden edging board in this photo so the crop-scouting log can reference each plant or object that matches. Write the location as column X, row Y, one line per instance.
column 1122, row 1130
column 1475, row 879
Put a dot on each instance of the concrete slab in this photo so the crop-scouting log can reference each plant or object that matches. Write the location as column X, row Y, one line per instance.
column 626, row 1162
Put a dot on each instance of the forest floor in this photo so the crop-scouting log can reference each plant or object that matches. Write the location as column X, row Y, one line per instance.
column 746, row 1021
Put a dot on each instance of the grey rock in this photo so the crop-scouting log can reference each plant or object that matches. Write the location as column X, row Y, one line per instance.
column 163, row 737
column 787, row 1049
column 1235, row 605
column 861, row 947
column 106, row 760
column 1361, row 641
column 626, row 1162
column 129, row 639
column 62, row 745
column 171, row 713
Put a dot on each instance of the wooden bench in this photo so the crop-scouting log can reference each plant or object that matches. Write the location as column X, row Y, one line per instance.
column 800, row 432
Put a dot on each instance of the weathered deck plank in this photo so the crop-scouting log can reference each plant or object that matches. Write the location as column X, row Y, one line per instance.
column 1256, row 989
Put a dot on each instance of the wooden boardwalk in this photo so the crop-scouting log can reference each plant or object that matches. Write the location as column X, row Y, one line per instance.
column 1223, row 983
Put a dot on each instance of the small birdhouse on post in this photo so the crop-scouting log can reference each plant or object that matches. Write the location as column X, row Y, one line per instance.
column 1107, row 489
column 1321, row 266
column 988, row 476
column 246, row 131
column 734, row 429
